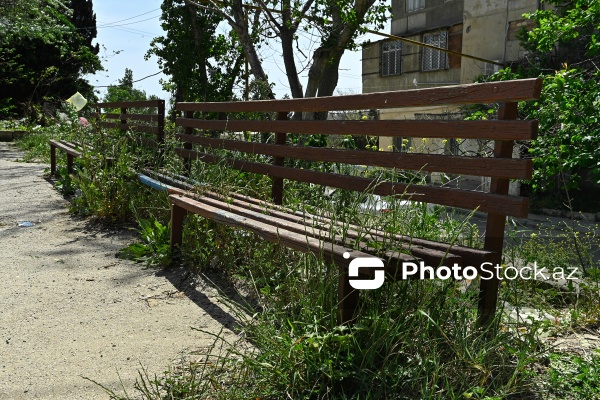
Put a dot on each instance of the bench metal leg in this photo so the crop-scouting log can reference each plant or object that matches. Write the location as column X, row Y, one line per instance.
column 52, row 160
column 347, row 297
column 177, row 216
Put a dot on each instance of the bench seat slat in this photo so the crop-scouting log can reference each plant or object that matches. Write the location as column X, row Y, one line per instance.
column 293, row 240
column 479, row 166
column 490, row 92
column 490, row 129
column 67, row 148
column 469, row 255
column 311, row 228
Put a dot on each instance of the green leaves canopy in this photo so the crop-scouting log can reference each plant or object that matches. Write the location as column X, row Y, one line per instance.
column 42, row 57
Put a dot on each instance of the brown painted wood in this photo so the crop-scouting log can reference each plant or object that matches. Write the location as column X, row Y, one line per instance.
column 517, row 90
column 479, row 166
column 348, row 297
column 495, row 225
column 293, row 240
column 52, row 159
column 129, row 104
column 429, row 251
column 494, row 129
column 318, row 230
column 177, row 216
column 277, row 184
column 467, row 199
column 130, row 117
column 69, row 149
column 161, row 122
column 328, row 251
column 470, row 256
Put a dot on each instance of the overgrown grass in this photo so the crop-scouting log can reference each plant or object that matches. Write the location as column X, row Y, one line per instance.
column 412, row 339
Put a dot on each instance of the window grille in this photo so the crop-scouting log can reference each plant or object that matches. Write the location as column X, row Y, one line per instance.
column 435, row 59
column 391, row 58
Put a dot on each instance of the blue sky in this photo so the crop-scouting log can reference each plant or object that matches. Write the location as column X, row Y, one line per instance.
column 126, row 28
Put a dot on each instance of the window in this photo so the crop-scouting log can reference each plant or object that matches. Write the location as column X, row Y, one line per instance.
column 414, row 5
column 391, row 58
column 435, row 59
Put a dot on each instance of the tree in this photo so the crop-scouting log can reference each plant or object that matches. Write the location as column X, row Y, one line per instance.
column 84, row 20
column 202, row 65
column 124, row 91
column 338, row 24
column 565, row 49
column 43, row 57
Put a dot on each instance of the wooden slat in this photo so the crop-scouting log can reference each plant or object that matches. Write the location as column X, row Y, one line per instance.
column 133, row 127
column 467, row 199
column 129, row 104
column 491, row 129
column 479, row 166
column 517, row 90
column 293, row 240
column 470, row 256
column 308, row 227
column 132, row 117
column 65, row 147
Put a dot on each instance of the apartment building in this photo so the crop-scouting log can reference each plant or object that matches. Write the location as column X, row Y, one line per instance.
column 483, row 28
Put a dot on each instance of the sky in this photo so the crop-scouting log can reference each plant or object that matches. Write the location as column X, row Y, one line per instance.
column 126, row 28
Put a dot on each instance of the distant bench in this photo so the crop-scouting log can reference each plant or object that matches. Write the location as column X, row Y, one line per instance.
column 310, row 233
column 149, row 126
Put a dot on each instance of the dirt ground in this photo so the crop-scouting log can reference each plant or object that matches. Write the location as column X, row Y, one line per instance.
column 69, row 308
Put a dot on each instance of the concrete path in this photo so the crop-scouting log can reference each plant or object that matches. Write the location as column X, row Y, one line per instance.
column 70, row 309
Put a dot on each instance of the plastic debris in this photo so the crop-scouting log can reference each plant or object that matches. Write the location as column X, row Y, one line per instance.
column 26, row 224
column 77, row 100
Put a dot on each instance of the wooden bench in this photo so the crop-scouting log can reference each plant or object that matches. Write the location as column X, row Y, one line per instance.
column 152, row 123
column 148, row 123
column 69, row 148
column 310, row 233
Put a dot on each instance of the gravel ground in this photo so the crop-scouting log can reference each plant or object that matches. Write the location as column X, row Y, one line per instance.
column 70, row 309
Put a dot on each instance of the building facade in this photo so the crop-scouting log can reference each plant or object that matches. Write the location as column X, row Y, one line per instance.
column 483, row 28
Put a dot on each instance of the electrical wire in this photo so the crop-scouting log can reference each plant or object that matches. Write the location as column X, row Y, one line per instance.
column 127, row 19
column 137, row 80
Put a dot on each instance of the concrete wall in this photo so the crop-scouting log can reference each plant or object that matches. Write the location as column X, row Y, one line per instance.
column 436, row 14
column 412, row 76
column 486, row 32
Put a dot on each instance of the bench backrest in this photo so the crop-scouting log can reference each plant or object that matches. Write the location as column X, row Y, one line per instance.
column 151, row 121
column 501, row 168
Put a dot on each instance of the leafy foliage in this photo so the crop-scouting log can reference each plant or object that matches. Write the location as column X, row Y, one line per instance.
column 203, row 65
column 154, row 248
column 43, row 55
column 563, row 50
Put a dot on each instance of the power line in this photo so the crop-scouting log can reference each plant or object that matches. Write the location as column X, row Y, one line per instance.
column 114, row 24
column 137, row 80
column 127, row 19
